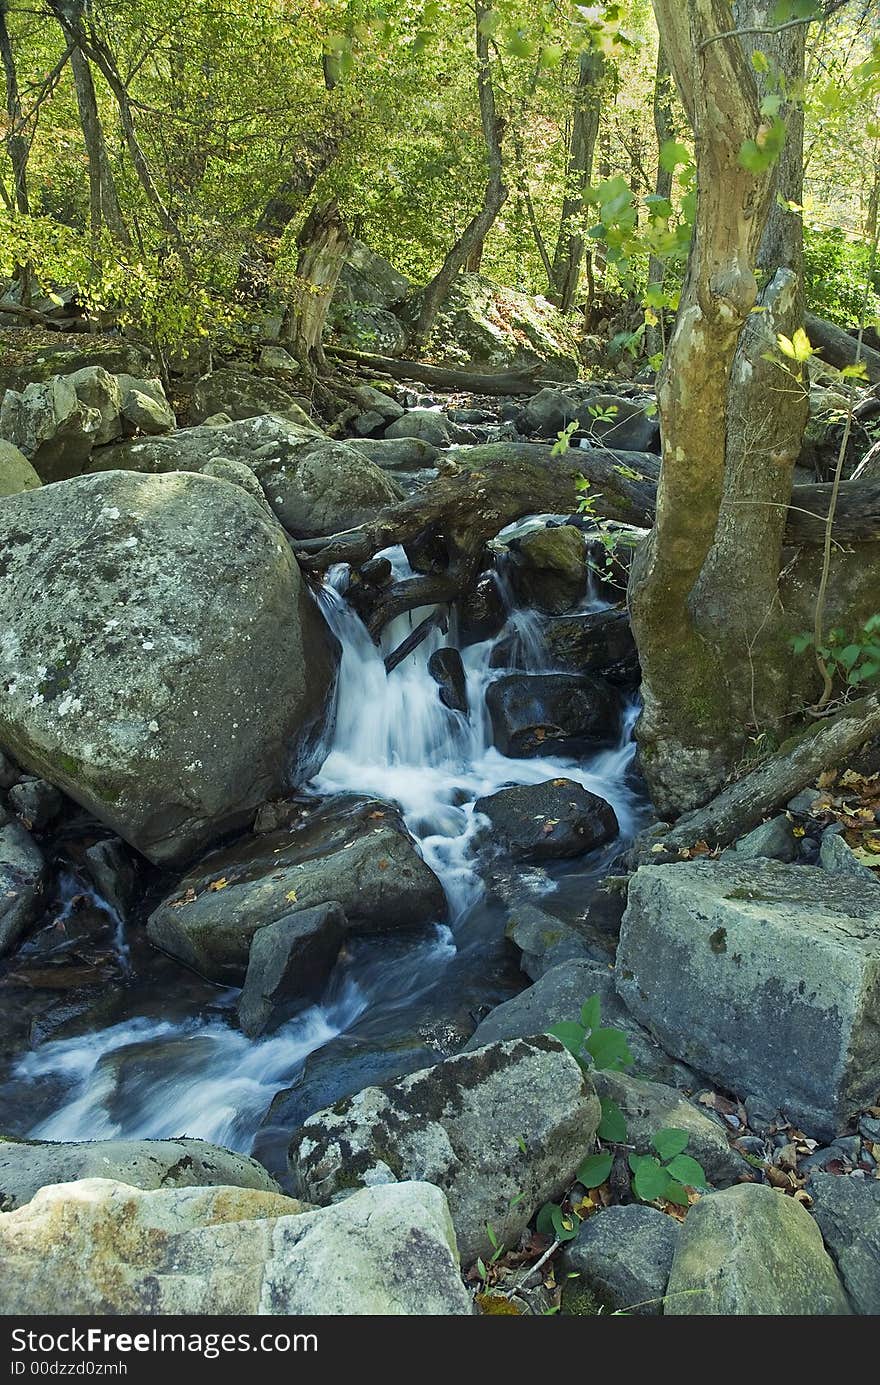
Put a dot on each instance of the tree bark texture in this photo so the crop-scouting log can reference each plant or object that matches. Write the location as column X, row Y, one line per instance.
column 322, row 242
column 569, row 252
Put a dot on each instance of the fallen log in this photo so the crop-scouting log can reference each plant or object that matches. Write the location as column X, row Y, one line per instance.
column 743, row 805
column 839, row 349
column 414, row 639
column 443, row 377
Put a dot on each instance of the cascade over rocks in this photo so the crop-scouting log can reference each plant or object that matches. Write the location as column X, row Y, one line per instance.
column 501, row 1130
column 358, row 855
column 127, row 683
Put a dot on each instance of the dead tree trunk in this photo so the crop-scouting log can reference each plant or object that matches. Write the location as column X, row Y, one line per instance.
column 322, row 243
column 291, row 196
column 569, row 252
column 494, row 197
column 839, row 349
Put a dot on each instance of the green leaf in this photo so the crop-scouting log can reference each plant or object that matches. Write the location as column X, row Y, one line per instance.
column 672, row 154
column 675, row 1193
column 760, row 61
column 850, row 656
column 669, row 1142
column 801, row 643
column 612, row 1126
column 650, row 1180
column 571, row 1035
column 687, row 1171
column 608, row 1048
column 544, row 1219
column 565, row 1225
column 594, row 1169
column 591, row 1013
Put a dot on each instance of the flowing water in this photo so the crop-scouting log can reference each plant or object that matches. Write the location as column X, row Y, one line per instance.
column 158, row 1073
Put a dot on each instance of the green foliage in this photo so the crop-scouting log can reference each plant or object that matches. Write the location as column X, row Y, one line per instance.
column 667, row 1175
column 592, row 1044
column 836, row 268
column 854, row 657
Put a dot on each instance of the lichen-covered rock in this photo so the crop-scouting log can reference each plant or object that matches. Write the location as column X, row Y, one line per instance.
column 16, row 472
column 48, row 353
column 549, row 821
column 320, row 487
column 764, row 976
column 28, row 1166
column 750, row 1251
column 144, row 406
column 161, row 659
column 623, row 1255
column 361, row 857
column 240, row 394
column 51, row 426
column 501, row 1130
column 847, row 1211
column 22, row 879
column 99, row 1246
column 265, row 439
column 486, row 324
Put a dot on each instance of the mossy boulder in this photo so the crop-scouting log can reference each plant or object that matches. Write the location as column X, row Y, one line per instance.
column 16, row 472
column 161, row 659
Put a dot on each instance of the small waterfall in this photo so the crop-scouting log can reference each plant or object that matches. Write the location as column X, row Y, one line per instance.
column 393, row 739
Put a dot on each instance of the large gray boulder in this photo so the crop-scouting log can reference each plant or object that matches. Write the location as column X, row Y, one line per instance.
column 99, row 1246
column 253, row 441
column 501, row 1130
column 22, row 880
column 497, row 328
column 764, row 976
column 162, row 661
column 28, row 1166
column 240, row 394
column 749, row 1251
column 847, row 1211
column 53, row 428
column 363, row 859
column 623, row 1255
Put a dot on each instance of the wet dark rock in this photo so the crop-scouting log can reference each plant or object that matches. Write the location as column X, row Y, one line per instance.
column 289, row 961
column 552, row 714
column 36, row 803
column 447, row 670
column 598, row 642
column 355, row 853
column 606, row 907
column 549, row 821
column 22, row 882
column 547, row 942
column 548, row 568
column 847, row 1211
column 9, row 772
column 113, row 874
column 376, row 572
column 808, row 851
column 624, row 1256
column 481, row 611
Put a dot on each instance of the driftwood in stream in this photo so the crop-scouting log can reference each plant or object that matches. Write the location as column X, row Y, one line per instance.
column 839, row 349
column 741, row 806
column 442, row 377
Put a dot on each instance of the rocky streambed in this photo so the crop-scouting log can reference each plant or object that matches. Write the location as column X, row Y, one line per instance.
column 274, row 884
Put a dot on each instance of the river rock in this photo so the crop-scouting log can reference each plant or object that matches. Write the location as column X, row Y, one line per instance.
column 549, row 568
column 99, row 1246
column 16, row 472
column 764, row 976
column 240, row 394
column 51, row 426
column 652, row 1106
column 397, row 454
column 168, row 712
column 63, row 353
column 501, row 1130
column 623, row 1255
column 549, row 821
column 361, row 856
column 625, row 425
column 835, row 856
column 773, row 840
column 22, row 880
column 558, row 996
column 481, row 611
column 426, row 425
column 238, row 474
column 289, row 960
column 447, row 670
column 35, row 802
column 750, row 1251
column 847, row 1211
column 144, row 407
column 322, row 487
column 32, row 1164
column 552, row 713
column 597, row 642
column 112, row 872
column 498, row 328
column 264, row 441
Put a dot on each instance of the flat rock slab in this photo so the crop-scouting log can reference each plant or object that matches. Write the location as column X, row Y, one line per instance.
column 500, row 1130
column 99, row 1247
column 750, row 1251
column 764, row 976
column 25, row 1167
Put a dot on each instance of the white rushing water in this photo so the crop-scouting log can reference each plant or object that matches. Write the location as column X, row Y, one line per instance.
column 393, row 739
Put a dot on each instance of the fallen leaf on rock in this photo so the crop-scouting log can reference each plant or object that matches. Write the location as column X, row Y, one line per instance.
column 291, row 896
column 218, row 884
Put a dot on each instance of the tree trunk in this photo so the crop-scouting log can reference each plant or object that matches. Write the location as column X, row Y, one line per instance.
column 687, row 732
column 322, row 243
column 494, row 197
column 256, row 264
column 16, row 140
column 569, row 253
column 104, row 209
column 839, row 349
column 664, row 130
